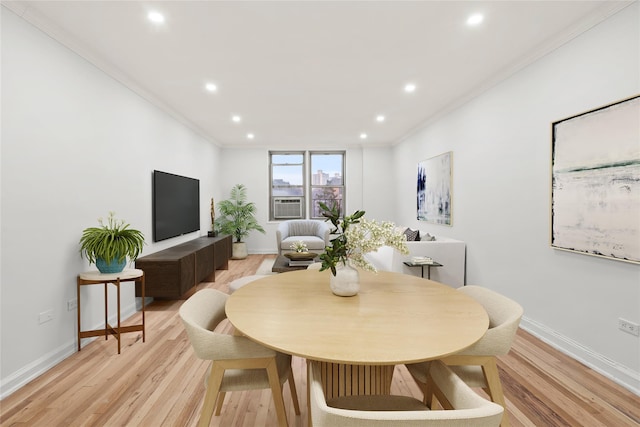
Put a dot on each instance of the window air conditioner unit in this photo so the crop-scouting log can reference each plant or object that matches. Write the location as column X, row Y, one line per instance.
column 284, row 208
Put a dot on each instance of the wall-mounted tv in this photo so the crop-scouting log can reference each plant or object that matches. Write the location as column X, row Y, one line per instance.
column 176, row 205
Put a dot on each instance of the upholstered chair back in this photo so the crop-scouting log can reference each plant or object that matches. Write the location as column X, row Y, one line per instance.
column 504, row 319
column 468, row 408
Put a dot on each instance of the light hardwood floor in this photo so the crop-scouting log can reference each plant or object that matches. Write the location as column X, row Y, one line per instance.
column 160, row 383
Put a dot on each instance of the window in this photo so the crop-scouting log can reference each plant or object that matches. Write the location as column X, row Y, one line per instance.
column 289, row 190
column 287, row 185
column 327, row 180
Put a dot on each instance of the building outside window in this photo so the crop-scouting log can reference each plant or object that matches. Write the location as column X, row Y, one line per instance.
column 327, row 180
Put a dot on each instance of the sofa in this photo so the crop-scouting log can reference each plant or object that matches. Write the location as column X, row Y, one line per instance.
column 315, row 234
column 448, row 252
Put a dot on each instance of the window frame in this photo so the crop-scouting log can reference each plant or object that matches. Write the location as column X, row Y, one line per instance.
column 313, row 186
column 303, row 197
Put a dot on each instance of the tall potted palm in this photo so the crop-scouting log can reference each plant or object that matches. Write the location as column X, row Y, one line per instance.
column 237, row 218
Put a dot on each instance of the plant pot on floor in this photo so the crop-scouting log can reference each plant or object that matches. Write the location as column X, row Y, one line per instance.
column 239, row 250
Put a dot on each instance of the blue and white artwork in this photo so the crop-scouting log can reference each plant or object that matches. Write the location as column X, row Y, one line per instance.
column 595, row 206
column 434, row 189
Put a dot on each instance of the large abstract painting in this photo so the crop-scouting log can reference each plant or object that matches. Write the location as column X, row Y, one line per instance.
column 595, row 195
column 434, row 189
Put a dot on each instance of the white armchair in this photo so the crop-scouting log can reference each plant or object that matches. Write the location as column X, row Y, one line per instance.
column 315, row 234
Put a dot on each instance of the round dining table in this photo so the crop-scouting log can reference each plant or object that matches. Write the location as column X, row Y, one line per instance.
column 394, row 319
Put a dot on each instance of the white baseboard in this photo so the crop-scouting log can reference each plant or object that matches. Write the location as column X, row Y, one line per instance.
column 41, row 365
column 616, row 372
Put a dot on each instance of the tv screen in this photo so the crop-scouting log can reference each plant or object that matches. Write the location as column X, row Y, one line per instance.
column 176, row 205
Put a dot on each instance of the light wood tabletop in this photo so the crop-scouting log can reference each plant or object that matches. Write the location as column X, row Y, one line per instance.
column 396, row 318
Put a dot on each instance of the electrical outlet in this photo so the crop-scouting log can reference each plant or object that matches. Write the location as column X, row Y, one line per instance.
column 45, row 316
column 72, row 304
column 629, row 327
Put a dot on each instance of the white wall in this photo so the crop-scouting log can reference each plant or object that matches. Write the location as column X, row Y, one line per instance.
column 75, row 145
column 501, row 195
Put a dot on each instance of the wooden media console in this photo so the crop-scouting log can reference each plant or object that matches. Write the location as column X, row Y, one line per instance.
column 172, row 272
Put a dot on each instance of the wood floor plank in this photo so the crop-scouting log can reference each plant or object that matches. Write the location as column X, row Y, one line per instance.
column 161, row 382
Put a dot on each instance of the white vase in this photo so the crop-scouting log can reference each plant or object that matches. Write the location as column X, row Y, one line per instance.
column 346, row 282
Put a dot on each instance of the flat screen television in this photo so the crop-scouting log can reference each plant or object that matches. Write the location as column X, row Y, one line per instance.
column 176, row 205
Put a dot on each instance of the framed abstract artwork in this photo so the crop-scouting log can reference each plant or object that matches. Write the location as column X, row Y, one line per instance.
column 434, row 189
column 595, row 182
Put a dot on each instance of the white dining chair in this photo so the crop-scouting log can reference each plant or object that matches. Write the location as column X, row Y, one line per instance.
column 237, row 362
column 476, row 365
column 466, row 408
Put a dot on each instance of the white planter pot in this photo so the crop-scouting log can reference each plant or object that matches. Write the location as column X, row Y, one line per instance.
column 239, row 250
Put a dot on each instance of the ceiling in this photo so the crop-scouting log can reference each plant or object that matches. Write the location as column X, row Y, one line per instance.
column 311, row 73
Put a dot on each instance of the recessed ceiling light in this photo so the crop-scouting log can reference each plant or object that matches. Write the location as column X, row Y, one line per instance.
column 155, row 17
column 250, row 136
column 236, row 119
column 409, row 87
column 211, row 87
column 475, row 19
column 380, row 118
column 363, row 136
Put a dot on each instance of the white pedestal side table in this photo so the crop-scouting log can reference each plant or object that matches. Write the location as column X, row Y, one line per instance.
column 96, row 278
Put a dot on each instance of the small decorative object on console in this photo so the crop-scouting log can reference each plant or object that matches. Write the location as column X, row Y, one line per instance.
column 213, row 232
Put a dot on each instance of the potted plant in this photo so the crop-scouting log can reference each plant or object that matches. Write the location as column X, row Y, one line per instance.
column 109, row 245
column 238, row 219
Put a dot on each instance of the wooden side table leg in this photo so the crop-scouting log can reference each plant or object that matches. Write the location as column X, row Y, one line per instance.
column 118, row 332
column 78, row 310
column 106, row 312
column 142, row 293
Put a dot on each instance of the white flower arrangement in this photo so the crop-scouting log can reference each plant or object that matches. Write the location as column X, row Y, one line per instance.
column 299, row 246
column 357, row 236
column 369, row 236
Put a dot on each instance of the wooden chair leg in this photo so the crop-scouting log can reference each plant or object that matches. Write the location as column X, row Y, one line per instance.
column 220, row 402
column 213, row 387
column 309, row 420
column 427, row 389
column 294, row 393
column 276, row 391
column 494, row 386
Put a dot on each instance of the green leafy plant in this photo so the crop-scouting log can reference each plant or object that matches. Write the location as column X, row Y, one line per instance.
column 357, row 236
column 111, row 241
column 238, row 215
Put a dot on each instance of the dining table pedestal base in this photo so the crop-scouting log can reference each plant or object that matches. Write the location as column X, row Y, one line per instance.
column 352, row 380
